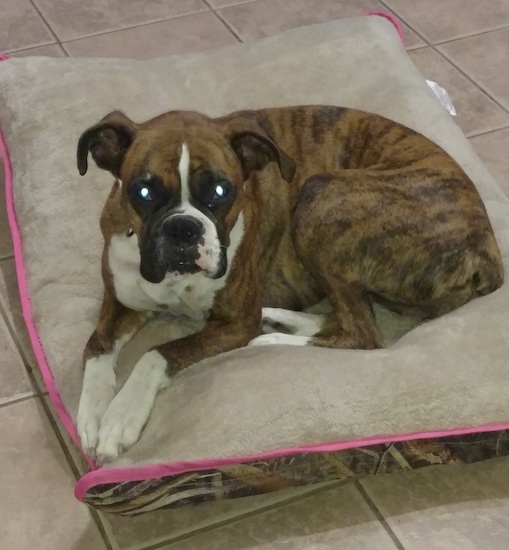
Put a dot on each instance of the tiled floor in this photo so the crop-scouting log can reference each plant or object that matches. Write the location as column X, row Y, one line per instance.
column 459, row 43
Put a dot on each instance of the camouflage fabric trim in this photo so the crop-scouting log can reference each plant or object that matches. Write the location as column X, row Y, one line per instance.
column 254, row 478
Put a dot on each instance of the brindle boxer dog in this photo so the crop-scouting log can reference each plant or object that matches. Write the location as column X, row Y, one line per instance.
column 215, row 219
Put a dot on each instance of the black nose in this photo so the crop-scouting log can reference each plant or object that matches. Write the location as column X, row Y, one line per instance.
column 183, row 230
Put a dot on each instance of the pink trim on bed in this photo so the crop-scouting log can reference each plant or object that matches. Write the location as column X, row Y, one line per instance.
column 393, row 19
column 26, row 306
column 153, row 471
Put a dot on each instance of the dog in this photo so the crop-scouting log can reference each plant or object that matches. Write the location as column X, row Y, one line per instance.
column 246, row 221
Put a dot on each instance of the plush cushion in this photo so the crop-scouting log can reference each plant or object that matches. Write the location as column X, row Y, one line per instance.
column 225, row 414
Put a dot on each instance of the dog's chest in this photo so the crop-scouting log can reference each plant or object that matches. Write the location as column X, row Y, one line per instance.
column 190, row 295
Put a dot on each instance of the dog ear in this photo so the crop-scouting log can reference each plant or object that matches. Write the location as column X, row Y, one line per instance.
column 253, row 144
column 108, row 142
column 255, row 150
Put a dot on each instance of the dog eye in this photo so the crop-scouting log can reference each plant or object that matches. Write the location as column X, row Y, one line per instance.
column 140, row 191
column 144, row 193
column 221, row 192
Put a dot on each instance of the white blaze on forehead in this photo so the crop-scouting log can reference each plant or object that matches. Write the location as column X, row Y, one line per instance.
column 184, row 173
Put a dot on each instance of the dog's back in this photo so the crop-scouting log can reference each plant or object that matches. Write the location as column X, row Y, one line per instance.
column 376, row 178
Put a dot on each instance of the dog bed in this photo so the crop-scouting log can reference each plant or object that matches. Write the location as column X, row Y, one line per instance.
column 257, row 419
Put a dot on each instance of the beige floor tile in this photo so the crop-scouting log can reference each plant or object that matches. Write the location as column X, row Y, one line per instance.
column 201, row 31
column 79, row 461
column 38, row 508
column 74, row 18
column 14, row 382
column 438, row 21
column 53, row 50
column 267, row 17
column 5, row 233
column 133, row 533
column 11, row 304
column 447, row 507
column 476, row 111
column 484, row 59
column 412, row 40
column 21, row 26
column 493, row 149
column 333, row 520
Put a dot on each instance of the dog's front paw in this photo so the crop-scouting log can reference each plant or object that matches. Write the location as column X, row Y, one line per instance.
column 121, row 427
column 123, row 422
column 279, row 338
column 97, row 393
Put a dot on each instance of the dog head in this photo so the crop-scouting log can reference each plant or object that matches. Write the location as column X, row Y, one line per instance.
column 182, row 177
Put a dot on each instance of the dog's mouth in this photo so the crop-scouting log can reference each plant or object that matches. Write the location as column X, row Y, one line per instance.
column 159, row 262
column 183, row 267
column 155, row 267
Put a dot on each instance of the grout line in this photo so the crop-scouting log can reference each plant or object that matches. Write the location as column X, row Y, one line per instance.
column 72, row 465
column 412, row 49
column 53, row 420
column 472, row 35
column 487, row 132
column 327, row 486
column 28, row 48
column 466, row 75
column 128, row 27
column 224, row 21
column 6, row 258
column 379, row 516
column 232, row 5
column 16, row 400
column 100, row 528
column 39, row 12
column 65, row 52
column 74, row 469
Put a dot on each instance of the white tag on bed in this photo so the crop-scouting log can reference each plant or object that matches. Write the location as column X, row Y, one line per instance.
column 443, row 96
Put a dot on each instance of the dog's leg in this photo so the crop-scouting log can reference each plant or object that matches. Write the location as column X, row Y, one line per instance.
column 294, row 322
column 116, row 326
column 122, row 423
column 298, row 327
column 98, row 389
column 351, row 325
column 129, row 411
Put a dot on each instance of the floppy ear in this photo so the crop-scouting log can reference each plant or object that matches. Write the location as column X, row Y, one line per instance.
column 253, row 145
column 108, row 142
column 255, row 150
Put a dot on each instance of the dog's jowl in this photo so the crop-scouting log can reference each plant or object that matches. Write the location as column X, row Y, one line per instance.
column 243, row 223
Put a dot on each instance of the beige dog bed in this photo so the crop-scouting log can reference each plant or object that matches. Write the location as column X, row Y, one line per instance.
column 257, row 419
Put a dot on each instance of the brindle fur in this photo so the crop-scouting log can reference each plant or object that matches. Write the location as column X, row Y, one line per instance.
column 374, row 211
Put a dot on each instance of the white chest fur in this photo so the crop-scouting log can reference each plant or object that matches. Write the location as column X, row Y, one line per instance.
column 190, row 295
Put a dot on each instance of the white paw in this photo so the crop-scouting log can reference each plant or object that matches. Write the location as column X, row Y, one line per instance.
column 125, row 418
column 96, row 394
column 298, row 323
column 279, row 338
column 121, row 427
